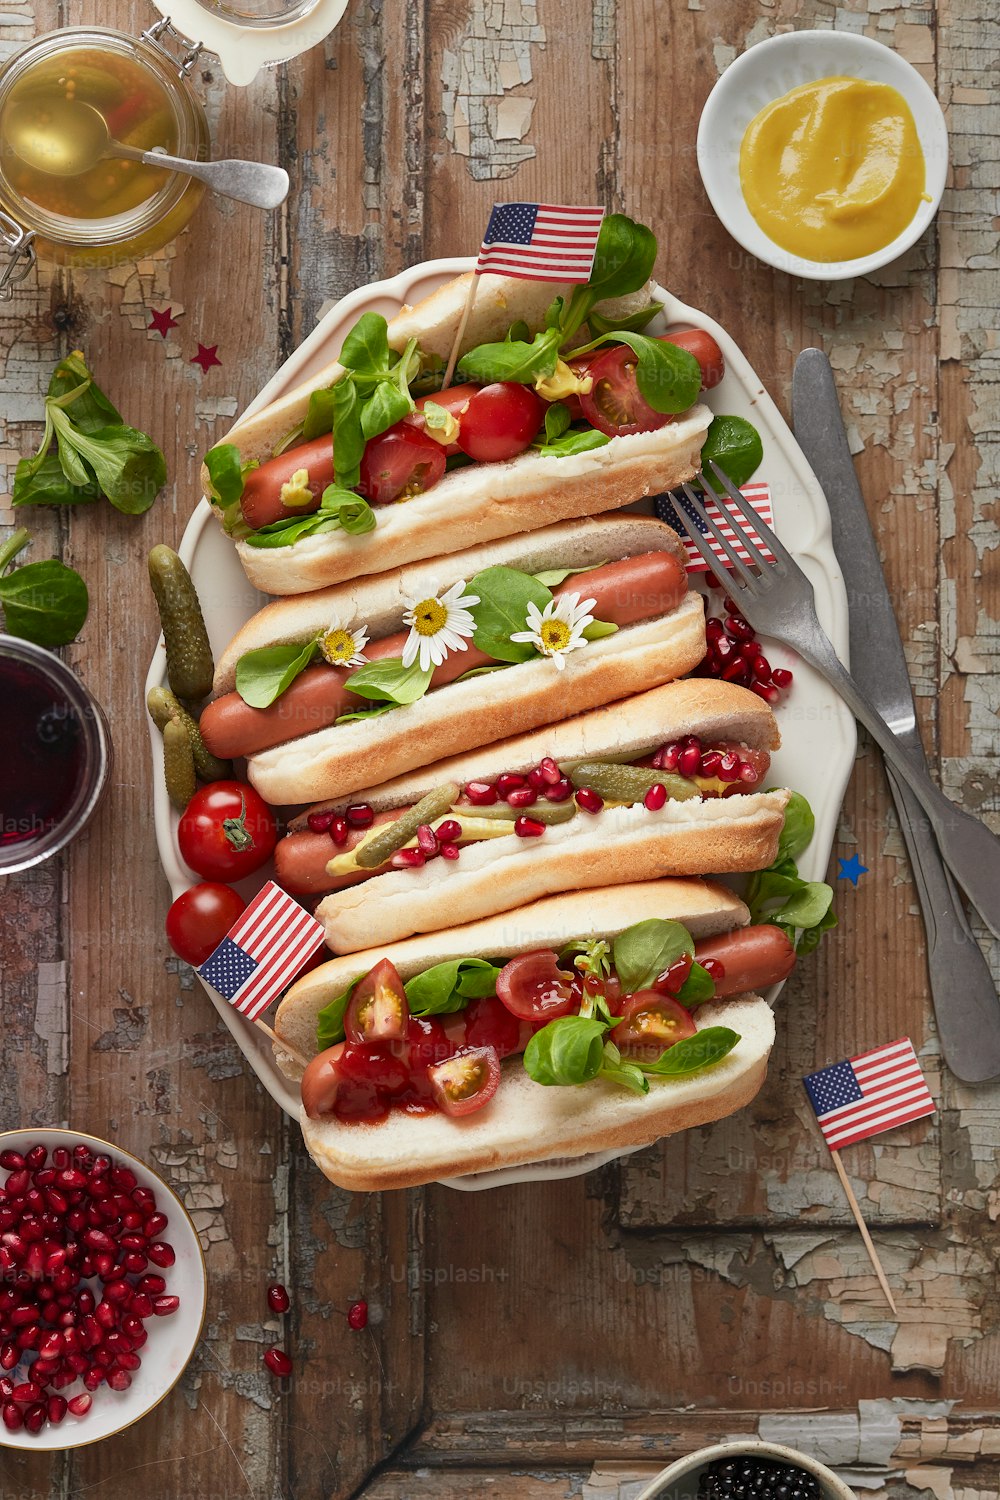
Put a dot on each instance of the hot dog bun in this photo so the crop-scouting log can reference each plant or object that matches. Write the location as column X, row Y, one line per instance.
column 526, row 1122
column 343, row 758
column 725, row 836
column 478, row 503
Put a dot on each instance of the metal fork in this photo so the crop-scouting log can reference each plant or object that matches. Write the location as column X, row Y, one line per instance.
column 777, row 600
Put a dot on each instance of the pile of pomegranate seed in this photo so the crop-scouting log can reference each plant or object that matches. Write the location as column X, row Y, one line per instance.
column 545, row 780
column 430, row 843
column 688, row 757
column 339, row 825
column 66, row 1220
column 734, row 654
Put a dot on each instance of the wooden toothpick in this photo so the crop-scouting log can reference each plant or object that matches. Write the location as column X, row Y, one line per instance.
column 863, row 1227
column 299, row 1057
column 459, row 336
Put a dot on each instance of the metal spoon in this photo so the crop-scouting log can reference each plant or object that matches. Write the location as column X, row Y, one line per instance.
column 74, row 137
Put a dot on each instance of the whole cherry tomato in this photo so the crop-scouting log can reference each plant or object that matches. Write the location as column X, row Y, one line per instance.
column 200, row 918
column 227, row 831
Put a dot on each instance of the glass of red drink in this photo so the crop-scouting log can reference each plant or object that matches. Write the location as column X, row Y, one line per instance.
column 55, row 750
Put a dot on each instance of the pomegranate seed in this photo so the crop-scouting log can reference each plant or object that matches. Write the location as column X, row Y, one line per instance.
column 589, row 800
column 666, row 757
column 709, row 763
column 522, row 796
column 18, row 1183
column 60, row 1157
column 93, row 1377
column 132, row 1241
column 75, row 1220
column 766, row 691
column 12, row 1160
column 536, row 779
column 528, row 828
column 85, row 1301
column 277, row 1362
column 449, row 851
column 119, row 1380
column 51, row 1346
column 360, row 815
column 737, row 628
column 141, row 1305
column 449, row 831
column 36, row 1158
column 655, row 797
column 6, row 1388
column 161, row 1254
column 403, row 859
column 715, row 968
column 278, row 1299
column 80, row 1405
column 43, row 1370
column 509, row 781
column 71, row 1177
column 83, row 1155
column 12, row 1418
column 9, row 1354
column 34, row 1417
column 118, row 1291
column 96, row 1239
column 427, row 841
column 481, row 793
column 559, row 791
column 736, row 672
column 26, row 1393
column 357, row 1315
column 729, row 767
column 143, row 1199
column 748, row 773
column 689, row 760
column 129, row 1361
column 105, row 1315
column 56, row 1409
column 781, row 677
column 151, row 1284
column 138, row 1339
column 762, row 669
column 750, row 650
column 28, row 1338
column 339, row 832
column 131, row 1325
column 135, row 1262
column 164, row 1306
column 22, row 1316
column 713, row 628
column 319, row 822
column 549, row 770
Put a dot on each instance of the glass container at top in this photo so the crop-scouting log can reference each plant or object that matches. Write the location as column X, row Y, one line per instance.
column 119, row 210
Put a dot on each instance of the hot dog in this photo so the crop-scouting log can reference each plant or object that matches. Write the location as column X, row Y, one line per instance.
column 627, row 791
column 647, row 628
column 362, row 1091
column 620, row 448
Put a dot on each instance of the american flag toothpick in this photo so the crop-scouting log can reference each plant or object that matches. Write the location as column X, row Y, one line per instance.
column 861, row 1097
column 262, row 952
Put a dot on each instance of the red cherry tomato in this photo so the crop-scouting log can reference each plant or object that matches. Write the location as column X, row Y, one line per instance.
column 615, row 405
column 377, row 1010
column 488, row 1023
column 454, row 400
column 533, row 987
column 650, row 1022
column 705, row 350
column 402, row 461
column 501, row 421
column 200, row 918
column 467, row 1081
column 227, row 831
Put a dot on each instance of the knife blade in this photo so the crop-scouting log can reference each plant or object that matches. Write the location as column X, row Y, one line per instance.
column 966, row 1005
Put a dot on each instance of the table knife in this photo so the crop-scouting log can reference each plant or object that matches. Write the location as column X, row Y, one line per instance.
column 965, row 999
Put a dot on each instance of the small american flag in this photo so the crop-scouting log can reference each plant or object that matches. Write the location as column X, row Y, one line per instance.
column 731, row 523
column 540, row 241
column 263, row 951
column 868, row 1094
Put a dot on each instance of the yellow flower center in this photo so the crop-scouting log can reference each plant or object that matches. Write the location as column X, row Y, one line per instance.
column 555, row 635
column 429, row 616
column 337, row 647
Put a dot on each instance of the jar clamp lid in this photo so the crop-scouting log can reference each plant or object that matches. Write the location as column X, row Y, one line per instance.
column 247, row 35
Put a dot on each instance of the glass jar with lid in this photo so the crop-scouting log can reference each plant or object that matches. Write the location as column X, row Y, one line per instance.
column 118, row 210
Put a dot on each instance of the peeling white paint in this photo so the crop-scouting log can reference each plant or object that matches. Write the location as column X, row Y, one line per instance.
column 491, row 57
column 52, row 1016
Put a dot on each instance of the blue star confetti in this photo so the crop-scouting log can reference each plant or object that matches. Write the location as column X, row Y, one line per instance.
column 851, row 869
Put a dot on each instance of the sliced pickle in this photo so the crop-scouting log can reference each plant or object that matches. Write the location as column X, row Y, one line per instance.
column 384, row 844
column 630, row 784
column 542, row 812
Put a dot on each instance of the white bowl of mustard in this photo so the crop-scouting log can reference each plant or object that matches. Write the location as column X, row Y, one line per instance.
column 824, row 154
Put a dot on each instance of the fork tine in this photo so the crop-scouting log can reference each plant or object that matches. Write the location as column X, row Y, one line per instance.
column 735, row 560
column 761, row 528
column 712, row 562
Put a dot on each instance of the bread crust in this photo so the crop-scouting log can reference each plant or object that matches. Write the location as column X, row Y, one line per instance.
column 726, row 836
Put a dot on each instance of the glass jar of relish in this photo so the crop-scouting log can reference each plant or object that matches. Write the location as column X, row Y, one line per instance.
column 119, row 210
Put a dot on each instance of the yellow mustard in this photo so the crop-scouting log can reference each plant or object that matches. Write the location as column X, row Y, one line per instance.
column 833, row 170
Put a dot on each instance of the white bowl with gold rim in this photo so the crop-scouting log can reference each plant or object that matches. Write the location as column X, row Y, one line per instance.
column 171, row 1340
column 773, row 68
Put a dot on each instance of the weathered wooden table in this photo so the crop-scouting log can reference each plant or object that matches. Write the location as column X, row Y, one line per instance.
column 549, row 1340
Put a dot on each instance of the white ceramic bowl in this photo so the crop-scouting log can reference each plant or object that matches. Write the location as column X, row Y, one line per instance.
column 773, row 68
column 171, row 1341
column 679, row 1481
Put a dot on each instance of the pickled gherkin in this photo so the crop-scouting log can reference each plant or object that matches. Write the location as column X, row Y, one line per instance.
column 384, row 844
column 617, row 783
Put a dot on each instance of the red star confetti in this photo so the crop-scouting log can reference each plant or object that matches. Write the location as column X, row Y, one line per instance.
column 207, row 357
column 162, row 322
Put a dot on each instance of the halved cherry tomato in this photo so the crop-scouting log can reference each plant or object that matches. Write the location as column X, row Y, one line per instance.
column 615, row 405
column 454, row 400
column 533, row 987
column 501, row 421
column 200, row 918
column 375, row 1065
column 467, row 1081
column 705, row 350
column 377, row 1010
column 650, row 1022
column 226, row 831
column 400, row 462
column 488, row 1023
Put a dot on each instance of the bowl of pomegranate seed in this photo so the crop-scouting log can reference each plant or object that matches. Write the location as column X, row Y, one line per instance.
column 102, row 1289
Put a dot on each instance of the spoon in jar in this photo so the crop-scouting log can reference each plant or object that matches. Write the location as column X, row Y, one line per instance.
column 74, row 136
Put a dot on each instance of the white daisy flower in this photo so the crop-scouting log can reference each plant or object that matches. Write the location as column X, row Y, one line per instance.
column 438, row 626
column 559, row 627
column 343, row 647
